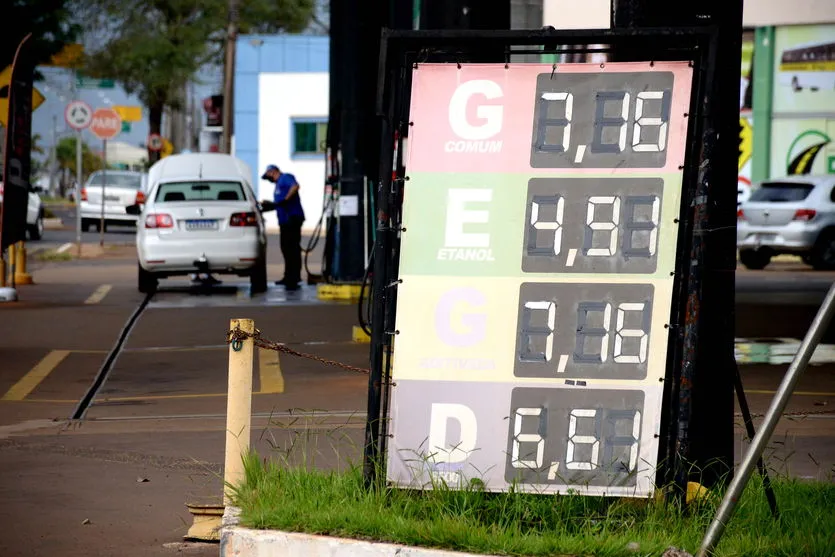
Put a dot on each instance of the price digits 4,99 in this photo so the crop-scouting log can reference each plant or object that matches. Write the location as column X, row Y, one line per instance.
column 592, row 225
column 602, row 120
column 563, row 436
column 583, row 331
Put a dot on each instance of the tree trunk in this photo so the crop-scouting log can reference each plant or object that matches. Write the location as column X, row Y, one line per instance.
column 155, row 120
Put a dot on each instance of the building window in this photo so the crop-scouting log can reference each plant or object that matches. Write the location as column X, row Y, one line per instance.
column 308, row 137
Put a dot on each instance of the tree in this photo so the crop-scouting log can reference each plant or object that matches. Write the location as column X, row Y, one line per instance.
column 65, row 155
column 154, row 47
column 49, row 21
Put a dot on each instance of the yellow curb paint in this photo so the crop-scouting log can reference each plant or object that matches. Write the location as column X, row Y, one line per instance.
column 269, row 372
column 338, row 292
column 358, row 335
column 99, row 294
column 31, row 380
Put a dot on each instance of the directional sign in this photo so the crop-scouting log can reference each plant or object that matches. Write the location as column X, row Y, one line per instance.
column 83, row 82
column 106, row 123
column 78, row 115
column 155, row 142
column 5, row 77
column 129, row 113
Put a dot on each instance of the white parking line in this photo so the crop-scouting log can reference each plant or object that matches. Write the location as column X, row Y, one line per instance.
column 99, row 294
column 64, row 247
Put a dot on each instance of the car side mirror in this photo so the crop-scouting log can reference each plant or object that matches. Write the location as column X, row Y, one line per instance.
column 134, row 209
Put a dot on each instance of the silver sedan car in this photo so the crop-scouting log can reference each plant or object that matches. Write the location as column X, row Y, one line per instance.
column 792, row 215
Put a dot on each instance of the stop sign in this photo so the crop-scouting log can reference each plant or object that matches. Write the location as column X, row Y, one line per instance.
column 106, row 123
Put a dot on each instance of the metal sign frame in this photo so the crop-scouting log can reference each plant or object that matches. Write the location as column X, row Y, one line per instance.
column 400, row 50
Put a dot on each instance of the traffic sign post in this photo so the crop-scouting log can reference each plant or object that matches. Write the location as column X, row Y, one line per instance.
column 106, row 124
column 79, row 116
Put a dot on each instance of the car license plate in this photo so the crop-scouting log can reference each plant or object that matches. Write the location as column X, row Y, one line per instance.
column 111, row 198
column 764, row 238
column 201, row 224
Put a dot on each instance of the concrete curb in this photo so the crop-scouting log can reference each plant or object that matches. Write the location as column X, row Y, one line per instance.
column 236, row 541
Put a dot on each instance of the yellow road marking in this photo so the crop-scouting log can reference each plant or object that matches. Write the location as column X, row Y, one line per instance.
column 28, row 382
column 799, row 393
column 269, row 371
column 99, row 294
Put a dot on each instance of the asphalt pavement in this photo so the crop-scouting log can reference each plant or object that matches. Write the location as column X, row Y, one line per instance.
column 117, row 481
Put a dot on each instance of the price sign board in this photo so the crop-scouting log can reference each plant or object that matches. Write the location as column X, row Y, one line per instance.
column 537, row 262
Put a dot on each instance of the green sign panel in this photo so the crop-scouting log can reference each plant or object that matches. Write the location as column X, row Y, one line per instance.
column 125, row 127
column 83, row 82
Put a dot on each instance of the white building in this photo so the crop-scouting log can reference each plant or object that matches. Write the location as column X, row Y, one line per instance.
column 281, row 113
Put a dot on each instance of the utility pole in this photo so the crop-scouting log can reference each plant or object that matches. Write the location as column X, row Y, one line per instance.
column 229, row 77
column 52, row 155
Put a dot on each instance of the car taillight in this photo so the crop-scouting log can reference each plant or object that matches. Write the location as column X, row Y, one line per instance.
column 740, row 214
column 83, row 194
column 243, row 219
column 159, row 220
column 805, row 214
column 140, row 198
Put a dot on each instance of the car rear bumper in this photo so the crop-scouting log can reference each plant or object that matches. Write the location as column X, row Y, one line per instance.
column 111, row 213
column 234, row 256
column 795, row 237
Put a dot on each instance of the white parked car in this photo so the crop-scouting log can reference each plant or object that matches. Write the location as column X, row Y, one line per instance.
column 122, row 189
column 201, row 215
column 34, row 213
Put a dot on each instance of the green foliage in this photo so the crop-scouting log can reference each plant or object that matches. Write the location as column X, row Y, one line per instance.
column 65, row 155
column 296, row 499
column 47, row 20
column 153, row 47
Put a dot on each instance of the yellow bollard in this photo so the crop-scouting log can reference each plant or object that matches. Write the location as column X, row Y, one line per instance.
column 20, row 275
column 11, row 270
column 238, row 406
column 2, row 271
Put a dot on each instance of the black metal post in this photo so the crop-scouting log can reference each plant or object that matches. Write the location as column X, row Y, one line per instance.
column 705, row 398
column 749, row 428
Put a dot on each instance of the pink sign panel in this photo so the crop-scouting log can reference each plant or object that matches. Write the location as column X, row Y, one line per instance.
column 577, row 118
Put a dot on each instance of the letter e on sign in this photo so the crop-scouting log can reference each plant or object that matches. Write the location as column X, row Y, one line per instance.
column 106, row 123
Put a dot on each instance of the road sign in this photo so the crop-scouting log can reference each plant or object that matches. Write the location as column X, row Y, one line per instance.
column 78, row 115
column 69, row 57
column 129, row 113
column 167, row 148
column 5, row 78
column 155, row 142
column 125, row 127
column 106, row 123
column 83, row 82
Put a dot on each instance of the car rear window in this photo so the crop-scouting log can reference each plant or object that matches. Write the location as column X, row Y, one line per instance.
column 199, row 191
column 133, row 181
column 784, row 192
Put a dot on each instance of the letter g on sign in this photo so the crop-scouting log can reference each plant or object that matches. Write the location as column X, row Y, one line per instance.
column 475, row 323
column 491, row 115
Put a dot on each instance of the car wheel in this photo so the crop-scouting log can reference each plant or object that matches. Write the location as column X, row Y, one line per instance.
column 86, row 224
column 147, row 281
column 754, row 259
column 36, row 230
column 258, row 277
column 823, row 254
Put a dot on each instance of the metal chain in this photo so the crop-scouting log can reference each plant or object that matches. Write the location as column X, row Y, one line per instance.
column 236, row 335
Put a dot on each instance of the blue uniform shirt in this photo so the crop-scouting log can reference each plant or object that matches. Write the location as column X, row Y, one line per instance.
column 293, row 208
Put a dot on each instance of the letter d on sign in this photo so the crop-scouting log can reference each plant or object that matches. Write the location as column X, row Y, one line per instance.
column 455, row 450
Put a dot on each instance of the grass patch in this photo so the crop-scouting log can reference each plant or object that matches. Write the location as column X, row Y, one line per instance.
column 52, row 255
column 298, row 499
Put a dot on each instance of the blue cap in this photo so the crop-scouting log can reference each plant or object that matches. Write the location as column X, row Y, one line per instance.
column 269, row 168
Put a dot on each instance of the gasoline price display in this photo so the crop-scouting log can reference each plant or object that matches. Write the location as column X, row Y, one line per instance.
column 583, row 331
column 601, row 120
column 592, row 225
column 583, row 437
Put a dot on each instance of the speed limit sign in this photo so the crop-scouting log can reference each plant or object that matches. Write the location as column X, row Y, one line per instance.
column 78, row 115
column 154, row 142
